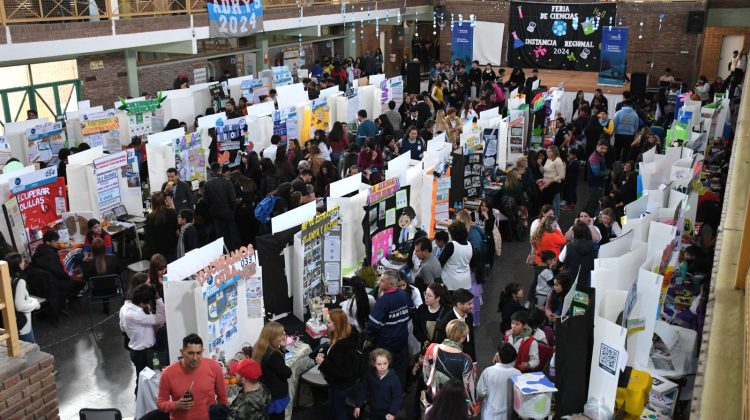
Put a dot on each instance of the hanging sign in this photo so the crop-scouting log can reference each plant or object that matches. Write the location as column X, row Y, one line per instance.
column 234, row 18
column 380, row 191
column 146, row 105
column 614, row 54
column 320, row 224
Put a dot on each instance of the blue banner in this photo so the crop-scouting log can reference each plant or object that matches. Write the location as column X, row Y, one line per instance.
column 234, row 18
column 462, row 43
column 614, row 56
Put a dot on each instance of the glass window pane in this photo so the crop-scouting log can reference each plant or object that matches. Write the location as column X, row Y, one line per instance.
column 15, row 76
column 54, row 71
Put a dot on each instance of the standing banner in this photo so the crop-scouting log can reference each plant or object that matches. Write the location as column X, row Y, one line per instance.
column 557, row 36
column 234, row 18
column 462, row 43
column 614, row 56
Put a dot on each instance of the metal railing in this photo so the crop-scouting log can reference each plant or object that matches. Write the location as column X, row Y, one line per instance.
column 47, row 11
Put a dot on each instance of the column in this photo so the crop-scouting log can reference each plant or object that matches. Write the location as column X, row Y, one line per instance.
column 131, row 64
column 261, row 42
column 350, row 48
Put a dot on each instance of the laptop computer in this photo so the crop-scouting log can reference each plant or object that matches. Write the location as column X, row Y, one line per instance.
column 121, row 214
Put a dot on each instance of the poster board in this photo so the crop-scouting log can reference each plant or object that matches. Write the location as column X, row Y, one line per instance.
column 15, row 137
column 386, row 230
column 41, row 198
column 44, row 141
column 226, row 315
column 102, row 129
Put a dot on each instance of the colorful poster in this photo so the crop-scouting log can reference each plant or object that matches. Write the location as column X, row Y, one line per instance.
column 381, row 245
column 222, row 315
column 282, row 76
column 102, row 129
column 279, row 124
column 229, row 133
column 385, row 91
column 383, row 190
column 556, row 35
column 190, row 159
column 614, row 56
column 41, row 201
column 110, row 162
column 132, row 170
column 321, row 115
column 44, row 141
column 462, row 43
column 108, row 190
column 234, row 19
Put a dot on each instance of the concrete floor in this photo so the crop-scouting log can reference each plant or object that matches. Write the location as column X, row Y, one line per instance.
column 97, row 372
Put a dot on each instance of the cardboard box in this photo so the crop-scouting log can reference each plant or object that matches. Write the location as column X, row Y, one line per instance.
column 532, row 395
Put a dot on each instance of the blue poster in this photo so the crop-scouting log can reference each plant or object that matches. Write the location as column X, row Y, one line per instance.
column 234, row 18
column 614, row 56
column 462, row 43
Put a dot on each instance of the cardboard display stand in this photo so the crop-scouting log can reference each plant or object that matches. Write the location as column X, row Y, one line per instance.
column 316, row 261
column 15, row 137
column 219, row 298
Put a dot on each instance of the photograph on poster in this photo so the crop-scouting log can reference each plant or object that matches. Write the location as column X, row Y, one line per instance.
column 516, row 140
column 516, row 131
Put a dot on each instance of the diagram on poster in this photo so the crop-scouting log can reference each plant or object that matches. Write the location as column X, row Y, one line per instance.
column 222, row 315
column 254, row 297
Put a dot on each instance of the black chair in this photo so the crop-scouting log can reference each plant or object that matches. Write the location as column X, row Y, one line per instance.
column 100, row 414
column 101, row 290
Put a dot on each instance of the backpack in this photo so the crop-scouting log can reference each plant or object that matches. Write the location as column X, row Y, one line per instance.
column 264, row 209
column 20, row 316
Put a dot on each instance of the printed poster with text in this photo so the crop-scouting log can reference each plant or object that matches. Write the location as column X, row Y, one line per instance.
column 41, row 201
column 462, row 43
column 558, row 35
column 321, row 114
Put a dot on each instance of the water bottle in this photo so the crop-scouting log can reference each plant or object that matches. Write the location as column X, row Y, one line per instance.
column 155, row 363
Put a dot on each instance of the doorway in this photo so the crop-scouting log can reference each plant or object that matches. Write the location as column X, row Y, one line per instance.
column 729, row 44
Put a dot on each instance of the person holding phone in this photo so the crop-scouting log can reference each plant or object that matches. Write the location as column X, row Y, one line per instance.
column 191, row 385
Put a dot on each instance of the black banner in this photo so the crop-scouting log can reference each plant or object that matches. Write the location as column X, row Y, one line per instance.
column 556, row 35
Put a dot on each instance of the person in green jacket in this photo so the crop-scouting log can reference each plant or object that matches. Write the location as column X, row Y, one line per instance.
column 253, row 401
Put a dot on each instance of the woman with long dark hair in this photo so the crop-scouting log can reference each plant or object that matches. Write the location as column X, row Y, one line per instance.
column 321, row 140
column 95, row 231
column 449, row 403
column 157, row 268
column 337, row 140
column 294, row 152
column 101, row 264
column 328, row 174
column 161, row 228
column 385, row 128
column 24, row 303
column 358, row 307
column 285, row 168
column 270, row 180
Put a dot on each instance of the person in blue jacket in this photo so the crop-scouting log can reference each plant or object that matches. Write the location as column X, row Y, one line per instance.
column 380, row 388
column 366, row 127
column 389, row 319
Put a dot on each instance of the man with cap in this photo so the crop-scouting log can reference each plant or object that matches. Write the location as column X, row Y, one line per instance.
column 252, row 403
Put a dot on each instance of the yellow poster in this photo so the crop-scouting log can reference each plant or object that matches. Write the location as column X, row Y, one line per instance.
column 100, row 125
column 321, row 116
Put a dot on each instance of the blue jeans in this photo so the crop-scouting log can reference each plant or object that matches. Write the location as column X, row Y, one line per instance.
column 29, row 338
column 556, row 205
column 337, row 395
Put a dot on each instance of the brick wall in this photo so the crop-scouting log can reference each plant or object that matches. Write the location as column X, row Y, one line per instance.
column 712, row 39
column 161, row 77
column 27, row 385
column 103, row 86
column 671, row 47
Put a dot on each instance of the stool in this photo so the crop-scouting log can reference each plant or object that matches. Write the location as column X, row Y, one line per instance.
column 312, row 377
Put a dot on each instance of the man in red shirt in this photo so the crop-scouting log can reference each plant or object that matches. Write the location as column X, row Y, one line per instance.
column 188, row 387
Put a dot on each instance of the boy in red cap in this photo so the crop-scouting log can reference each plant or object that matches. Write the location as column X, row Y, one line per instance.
column 252, row 403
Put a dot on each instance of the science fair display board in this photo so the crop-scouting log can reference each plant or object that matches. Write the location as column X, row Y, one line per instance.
column 389, row 223
column 556, row 35
column 39, row 199
column 44, row 141
column 644, row 294
column 15, row 137
column 316, row 261
column 103, row 182
column 101, row 129
column 350, row 195
column 217, row 296
column 138, row 113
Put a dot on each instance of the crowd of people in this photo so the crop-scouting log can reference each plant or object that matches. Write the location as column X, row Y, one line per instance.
column 417, row 327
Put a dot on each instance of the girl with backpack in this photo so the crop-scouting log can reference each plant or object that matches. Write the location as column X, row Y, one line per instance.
column 24, row 303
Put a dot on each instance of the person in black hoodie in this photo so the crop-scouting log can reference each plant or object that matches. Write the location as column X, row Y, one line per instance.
column 221, row 200
column 337, row 362
column 578, row 255
column 47, row 278
column 268, row 353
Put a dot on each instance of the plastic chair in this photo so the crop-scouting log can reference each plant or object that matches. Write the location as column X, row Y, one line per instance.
column 100, row 414
column 101, row 290
column 312, row 377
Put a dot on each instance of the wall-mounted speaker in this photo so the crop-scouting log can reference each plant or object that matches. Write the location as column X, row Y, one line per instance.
column 696, row 22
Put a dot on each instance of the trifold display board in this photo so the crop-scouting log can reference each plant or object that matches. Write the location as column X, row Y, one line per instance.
column 219, row 297
column 15, row 137
column 389, row 222
column 39, row 199
column 350, row 195
column 102, row 182
column 317, row 261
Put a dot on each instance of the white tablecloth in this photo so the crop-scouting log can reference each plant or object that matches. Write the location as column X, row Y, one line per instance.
column 148, row 392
